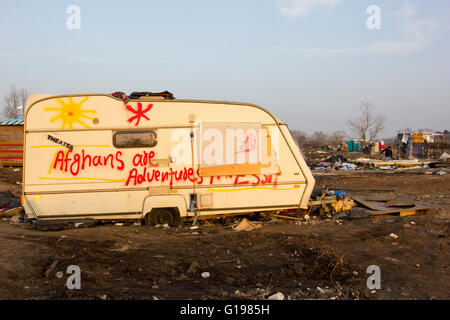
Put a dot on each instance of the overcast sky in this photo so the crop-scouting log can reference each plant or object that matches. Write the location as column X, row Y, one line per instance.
column 310, row 62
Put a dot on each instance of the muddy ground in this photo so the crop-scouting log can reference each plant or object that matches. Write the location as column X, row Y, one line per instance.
column 322, row 260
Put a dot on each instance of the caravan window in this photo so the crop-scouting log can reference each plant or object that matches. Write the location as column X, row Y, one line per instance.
column 135, row 139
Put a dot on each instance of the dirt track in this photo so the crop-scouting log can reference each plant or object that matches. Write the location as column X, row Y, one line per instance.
column 140, row 262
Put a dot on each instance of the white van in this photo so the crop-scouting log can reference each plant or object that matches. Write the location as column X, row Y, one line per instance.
column 152, row 157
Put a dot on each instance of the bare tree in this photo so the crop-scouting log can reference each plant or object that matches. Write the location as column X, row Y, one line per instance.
column 318, row 139
column 368, row 125
column 23, row 95
column 13, row 100
column 337, row 137
column 299, row 136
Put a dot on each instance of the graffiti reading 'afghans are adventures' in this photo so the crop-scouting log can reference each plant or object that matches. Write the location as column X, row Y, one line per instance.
column 145, row 169
column 74, row 163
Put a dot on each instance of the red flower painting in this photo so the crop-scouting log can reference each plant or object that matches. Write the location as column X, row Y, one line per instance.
column 139, row 113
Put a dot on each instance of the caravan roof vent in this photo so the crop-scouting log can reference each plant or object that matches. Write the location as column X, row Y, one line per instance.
column 165, row 95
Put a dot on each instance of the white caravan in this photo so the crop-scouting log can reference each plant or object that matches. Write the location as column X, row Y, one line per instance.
column 152, row 157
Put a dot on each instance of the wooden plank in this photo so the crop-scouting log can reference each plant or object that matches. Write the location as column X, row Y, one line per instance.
column 231, row 170
column 286, row 217
column 402, row 201
column 315, row 203
column 408, row 213
column 418, row 208
column 383, row 197
column 373, row 205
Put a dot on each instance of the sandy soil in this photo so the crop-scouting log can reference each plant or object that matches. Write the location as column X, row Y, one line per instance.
column 322, row 260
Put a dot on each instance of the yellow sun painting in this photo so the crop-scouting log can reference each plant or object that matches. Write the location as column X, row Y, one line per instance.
column 70, row 113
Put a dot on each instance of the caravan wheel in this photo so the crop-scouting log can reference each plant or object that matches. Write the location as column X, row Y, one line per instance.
column 162, row 216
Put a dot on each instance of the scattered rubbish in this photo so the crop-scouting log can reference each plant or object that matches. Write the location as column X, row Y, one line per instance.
column 193, row 267
column 283, row 217
column 444, row 156
column 412, row 222
column 7, row 202
column 320, row 290
column 342, row 205
column 125, row 247
column 205, row 275
column 166, row 226
column 246, row 225
column 336, row 159
column 51, row 268
column 119, row 224
column 354, row 213
column 440, row 172
column 16, row 219
column 59, row 274
column 346, row 166
column 393, row 236
column 277, row 296
column 7, row 212
column 62, row 237
column 371, row 163
column 342, row 194
column 104, row 297
column 182, row 277
column 58, row 224
column 402, row 205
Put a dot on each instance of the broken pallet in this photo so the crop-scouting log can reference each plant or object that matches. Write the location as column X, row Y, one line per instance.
column 401, row 207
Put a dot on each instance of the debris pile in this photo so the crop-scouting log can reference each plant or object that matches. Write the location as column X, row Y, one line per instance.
column 339, row 162
column 9, row 204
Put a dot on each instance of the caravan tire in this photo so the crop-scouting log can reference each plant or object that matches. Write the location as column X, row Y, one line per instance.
column 162, row 216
